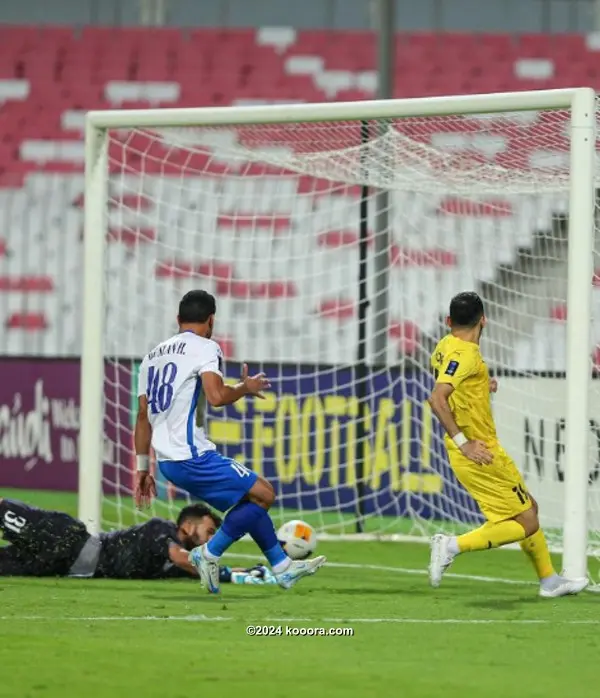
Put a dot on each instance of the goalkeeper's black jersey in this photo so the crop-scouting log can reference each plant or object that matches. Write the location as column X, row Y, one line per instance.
column 139, row 552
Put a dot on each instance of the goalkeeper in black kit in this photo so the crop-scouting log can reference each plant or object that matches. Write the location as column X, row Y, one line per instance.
column 45, row 543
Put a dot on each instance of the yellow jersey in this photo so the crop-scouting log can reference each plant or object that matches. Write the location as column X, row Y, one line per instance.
column 460, row 364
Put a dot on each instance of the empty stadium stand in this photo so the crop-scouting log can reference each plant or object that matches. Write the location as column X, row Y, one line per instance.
column 49, row 78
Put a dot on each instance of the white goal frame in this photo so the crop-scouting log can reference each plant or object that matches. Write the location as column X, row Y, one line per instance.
column 581, row 104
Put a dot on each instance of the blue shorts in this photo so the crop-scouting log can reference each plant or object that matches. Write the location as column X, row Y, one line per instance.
column 215, row 479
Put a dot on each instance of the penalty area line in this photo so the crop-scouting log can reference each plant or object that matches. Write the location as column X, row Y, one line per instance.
column 315, row 621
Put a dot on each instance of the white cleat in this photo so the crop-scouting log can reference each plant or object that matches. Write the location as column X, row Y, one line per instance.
column 440, row 558
column 208, row 570
column 561, row 586
column 299, row 569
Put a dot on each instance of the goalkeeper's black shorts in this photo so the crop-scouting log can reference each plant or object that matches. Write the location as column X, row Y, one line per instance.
column 42, row 543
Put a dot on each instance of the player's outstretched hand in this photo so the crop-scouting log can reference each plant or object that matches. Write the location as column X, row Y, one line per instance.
column 255, row 384
column 493, row 385
column 145, row 489
column 478, row 452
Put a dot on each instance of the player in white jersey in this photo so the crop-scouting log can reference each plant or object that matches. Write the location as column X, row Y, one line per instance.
column 177, row 379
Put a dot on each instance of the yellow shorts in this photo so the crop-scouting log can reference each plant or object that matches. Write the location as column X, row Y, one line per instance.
column 498, row 488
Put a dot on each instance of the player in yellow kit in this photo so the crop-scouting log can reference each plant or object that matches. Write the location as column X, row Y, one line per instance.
column 461, row 401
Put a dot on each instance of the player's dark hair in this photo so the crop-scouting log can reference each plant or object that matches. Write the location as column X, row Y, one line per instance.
column 196, row 306
column 466, row 309
column 196, row 511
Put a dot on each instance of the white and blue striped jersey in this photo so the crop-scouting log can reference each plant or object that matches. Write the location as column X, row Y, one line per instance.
column 170, row 378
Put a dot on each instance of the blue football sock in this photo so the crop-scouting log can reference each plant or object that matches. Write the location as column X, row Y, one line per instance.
column 263, row 533
column 247, row 517
column 237, row 522
column 218, row 544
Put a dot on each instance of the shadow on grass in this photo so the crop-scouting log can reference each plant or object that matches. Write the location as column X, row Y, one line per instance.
column 509, row 603
column 204, row 598
column 504, row 604
column 378, row 591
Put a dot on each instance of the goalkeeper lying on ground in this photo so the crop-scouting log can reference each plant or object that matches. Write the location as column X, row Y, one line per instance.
column 53, row 544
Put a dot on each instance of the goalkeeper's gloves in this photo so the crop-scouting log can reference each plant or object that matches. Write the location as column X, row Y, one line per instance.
column 255, row 575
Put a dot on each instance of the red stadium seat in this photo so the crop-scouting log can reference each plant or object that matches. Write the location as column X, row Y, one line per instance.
column 132, row 236
column 342, row 238
column 181, row 269
column 31, row 322
column 337, row 309
column 467, row 207
column 176, row 270
column 60, row 71
column 559, row 312
column 216, row 270
column 536, row 45
column 407, row 336
column 26, row 284
column 227, row 347
column 231, row 287
column 242, row 222
column 273, row 289
column 401, row 257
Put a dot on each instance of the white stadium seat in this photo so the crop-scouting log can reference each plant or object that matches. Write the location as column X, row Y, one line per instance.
column 14, row 89
column 266, row 232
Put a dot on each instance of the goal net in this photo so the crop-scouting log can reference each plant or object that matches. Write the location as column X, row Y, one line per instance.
column 333, row 249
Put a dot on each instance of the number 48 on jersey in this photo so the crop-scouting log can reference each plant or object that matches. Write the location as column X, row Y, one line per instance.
column 160, row 387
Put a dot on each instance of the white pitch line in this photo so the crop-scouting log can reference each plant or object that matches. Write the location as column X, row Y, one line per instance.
column 92, row 619
column 315, row 621
column 451, row 575
column 458, row 621
column 405, row 570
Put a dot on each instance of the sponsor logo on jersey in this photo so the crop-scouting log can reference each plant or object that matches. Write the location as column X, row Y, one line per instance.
column 452, row 368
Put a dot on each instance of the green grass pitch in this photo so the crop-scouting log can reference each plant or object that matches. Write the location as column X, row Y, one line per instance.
column 472, row 637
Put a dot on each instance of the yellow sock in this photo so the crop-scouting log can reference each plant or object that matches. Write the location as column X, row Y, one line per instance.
column 491, row 535
column 536, row 549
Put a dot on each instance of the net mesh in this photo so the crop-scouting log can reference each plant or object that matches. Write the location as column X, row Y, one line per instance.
column 269, row 219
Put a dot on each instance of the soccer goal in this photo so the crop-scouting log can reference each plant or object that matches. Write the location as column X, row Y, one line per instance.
column 333, row 236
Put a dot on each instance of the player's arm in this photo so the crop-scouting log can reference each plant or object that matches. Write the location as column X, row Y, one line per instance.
column 143, row 430
column 219, row 394
column 234, row 575
column 179, row 557
column 145, row 486
column 237, row 575
column 453, row 372
column 440, row 405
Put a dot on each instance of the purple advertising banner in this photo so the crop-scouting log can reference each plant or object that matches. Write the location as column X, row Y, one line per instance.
column 39, row 421
column 301, row 440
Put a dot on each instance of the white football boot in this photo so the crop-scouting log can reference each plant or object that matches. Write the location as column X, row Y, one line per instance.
column 299, row 569
column 558, row 585
column 208, row 570
column 441, row 558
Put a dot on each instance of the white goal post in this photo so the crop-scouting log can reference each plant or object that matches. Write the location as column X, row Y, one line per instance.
column 377, row 165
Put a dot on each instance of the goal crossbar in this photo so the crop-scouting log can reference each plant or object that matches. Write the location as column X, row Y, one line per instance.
column 334, row 111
